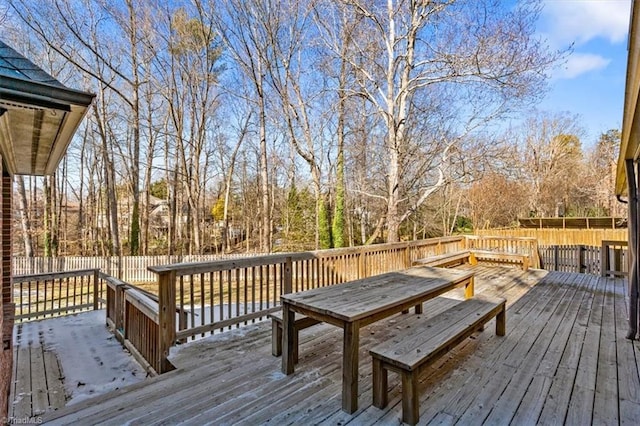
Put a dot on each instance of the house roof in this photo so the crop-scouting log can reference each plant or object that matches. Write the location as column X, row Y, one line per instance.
column 629, row 144
column 38, row 115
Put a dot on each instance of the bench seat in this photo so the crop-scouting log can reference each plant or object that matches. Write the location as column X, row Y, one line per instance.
column 447, row 259
column 426, row 340
column 300, row 323
column 503, row 257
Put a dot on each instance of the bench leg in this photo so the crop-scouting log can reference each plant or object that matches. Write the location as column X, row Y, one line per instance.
column 410, row 401
column 380, row 374
column 501, row 322
column 276, row 338
column 419, row 309
column 296, row 338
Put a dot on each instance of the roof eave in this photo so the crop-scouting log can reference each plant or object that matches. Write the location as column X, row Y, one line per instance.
column 17, row 93
column 40, row 91
column 629, row 144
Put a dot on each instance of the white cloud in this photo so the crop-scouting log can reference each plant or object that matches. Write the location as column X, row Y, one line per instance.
column 579, row 21
column 580, row 63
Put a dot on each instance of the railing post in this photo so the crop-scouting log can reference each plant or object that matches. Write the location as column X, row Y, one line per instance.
column 96, row 288
column 288, row 276
column 167, row 318
column 361, row 264
column 604, row 259
column 535, row 254
column 119, row 307
column 617, row 258
column 407, row 256
column 580, row 258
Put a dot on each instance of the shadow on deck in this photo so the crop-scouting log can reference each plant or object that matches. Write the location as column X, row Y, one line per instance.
column 564, row 359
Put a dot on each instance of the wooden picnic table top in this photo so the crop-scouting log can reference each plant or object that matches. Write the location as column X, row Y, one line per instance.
column 359, row 299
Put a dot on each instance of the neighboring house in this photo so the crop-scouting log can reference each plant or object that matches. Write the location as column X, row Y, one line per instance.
column 159, row 221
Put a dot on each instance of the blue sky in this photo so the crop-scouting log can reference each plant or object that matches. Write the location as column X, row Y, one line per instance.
column 591, row 82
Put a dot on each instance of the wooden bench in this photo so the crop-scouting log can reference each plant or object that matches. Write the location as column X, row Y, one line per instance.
column 503, row 257
column 447, row 259
column 301, row 322
column 423, row 342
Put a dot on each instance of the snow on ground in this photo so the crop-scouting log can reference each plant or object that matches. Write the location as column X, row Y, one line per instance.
column 93, row 362
column 193, row 350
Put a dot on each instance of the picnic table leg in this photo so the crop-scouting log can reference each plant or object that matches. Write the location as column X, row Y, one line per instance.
column 350, row 350
column 288, row 341
column 468, row 289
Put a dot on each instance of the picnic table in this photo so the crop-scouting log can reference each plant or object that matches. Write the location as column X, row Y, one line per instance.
column 358, row 303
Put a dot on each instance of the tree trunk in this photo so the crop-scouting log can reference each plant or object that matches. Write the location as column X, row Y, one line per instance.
column 25, row 221
column 265, row 232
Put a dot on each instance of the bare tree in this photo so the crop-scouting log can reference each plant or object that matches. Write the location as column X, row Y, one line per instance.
column 190, row 74
column 551, row 161
column 496, row 200
column 603, row 161
column 242, row 30
column 477, row 44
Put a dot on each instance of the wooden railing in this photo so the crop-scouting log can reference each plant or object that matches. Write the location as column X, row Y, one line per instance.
column 196, row 299
column 142, row 328
column 132, row 314
column 614, row 258
column 571, row 258
column 609, row 259
column 47, row 295
column 519, row 245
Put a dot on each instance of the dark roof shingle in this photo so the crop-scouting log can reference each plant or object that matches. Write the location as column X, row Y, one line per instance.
column 13, row 64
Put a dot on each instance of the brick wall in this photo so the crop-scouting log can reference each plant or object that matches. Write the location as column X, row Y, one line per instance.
column 7, row 308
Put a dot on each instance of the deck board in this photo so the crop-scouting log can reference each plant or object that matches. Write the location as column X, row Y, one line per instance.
column 605, row 409
column 55, row 386
column 556, row 399
column 39, row 393
column 497, row 364
column 564, row 359
column 37, row 385
column 21, row 406
column 541, row 359
column 628, row 375
column 580, row 409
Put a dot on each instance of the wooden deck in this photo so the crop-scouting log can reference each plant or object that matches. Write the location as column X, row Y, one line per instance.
column 564, row 359
column 38, row 382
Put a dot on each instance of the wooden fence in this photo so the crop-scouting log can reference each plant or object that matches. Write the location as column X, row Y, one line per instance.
column 561, row 237
column 132, row 269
